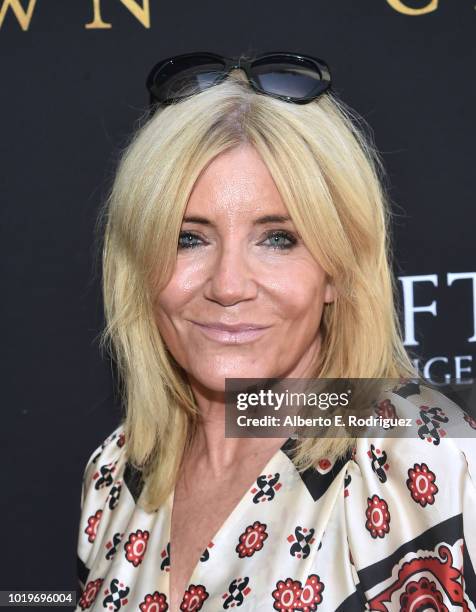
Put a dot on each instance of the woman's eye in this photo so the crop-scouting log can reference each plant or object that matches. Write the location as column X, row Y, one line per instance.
column 187, row 240
column 277, row 239
column 281, row 240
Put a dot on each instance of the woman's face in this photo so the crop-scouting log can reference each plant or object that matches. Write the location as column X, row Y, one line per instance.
column 246, row 297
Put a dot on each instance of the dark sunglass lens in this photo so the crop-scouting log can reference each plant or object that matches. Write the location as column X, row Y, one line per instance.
column 183, row 77
column 288, row 79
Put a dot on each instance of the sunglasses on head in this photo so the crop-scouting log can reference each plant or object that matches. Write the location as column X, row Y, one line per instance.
column 290, row 77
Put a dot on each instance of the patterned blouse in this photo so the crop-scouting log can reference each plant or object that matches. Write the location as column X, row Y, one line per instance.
column 390, row 527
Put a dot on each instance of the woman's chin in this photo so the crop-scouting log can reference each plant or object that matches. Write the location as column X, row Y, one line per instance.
column 215, row 379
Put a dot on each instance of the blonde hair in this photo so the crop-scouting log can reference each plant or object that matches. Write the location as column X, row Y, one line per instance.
column 329, row 175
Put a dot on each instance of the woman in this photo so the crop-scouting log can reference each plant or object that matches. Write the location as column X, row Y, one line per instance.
column 247, row 237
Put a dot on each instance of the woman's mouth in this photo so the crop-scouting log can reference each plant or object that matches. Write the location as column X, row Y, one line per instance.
column 231, row 334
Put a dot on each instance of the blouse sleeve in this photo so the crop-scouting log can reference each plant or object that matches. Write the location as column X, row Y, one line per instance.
column 100, row 491
column 409, row 510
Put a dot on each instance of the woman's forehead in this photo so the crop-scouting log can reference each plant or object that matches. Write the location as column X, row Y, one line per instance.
column 236, row 182
column 213, row 211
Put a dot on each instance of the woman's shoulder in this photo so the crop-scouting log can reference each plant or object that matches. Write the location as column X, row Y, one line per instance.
column 421, row 421
column 110, row 489
column 434, row 442
column 105, row 461
column 108, row 471
column 408, row 500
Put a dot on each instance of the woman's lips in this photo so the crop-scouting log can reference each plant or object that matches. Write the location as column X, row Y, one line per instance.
column 237, row 334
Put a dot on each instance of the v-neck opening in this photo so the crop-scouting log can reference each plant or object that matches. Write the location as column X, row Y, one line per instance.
column 282, row 451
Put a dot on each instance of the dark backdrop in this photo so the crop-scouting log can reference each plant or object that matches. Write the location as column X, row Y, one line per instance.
column 71, row 94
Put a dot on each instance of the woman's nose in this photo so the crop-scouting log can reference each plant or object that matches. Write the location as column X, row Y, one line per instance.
column 231, row 276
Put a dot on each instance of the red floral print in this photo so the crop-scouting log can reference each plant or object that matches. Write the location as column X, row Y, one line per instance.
column 194, row 597
column 90, row 593
column 291, row 595
column 421, row 483
column 136, row 546
column 155, row 602
column 287, row 595
column 252, row 539
column 378, row 517
column 93, row 522
column 311, row 594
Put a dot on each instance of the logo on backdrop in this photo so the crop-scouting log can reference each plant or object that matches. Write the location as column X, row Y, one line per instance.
column 23, row 11
column 441, row 366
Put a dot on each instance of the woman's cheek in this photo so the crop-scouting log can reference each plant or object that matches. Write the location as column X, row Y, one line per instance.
column 295, row 293
column 187, row 278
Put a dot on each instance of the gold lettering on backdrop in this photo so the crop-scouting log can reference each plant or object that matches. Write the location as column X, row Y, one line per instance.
column 23, row 17
column 406, row 10
column 97, row 23
column 141, row 13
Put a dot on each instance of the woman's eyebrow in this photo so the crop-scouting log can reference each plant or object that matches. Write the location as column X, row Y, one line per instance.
column 258, row 221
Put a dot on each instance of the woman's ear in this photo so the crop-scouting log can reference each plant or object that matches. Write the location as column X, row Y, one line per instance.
column 330, row 293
